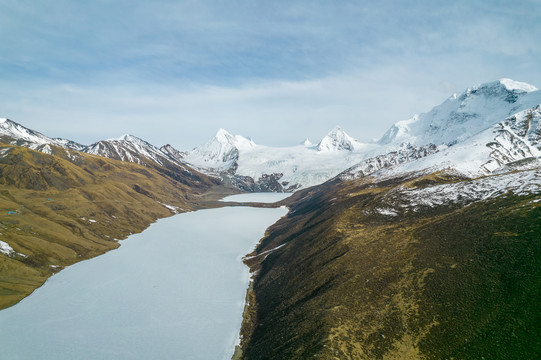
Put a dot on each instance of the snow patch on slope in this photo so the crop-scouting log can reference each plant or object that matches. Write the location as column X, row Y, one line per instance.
column 5, row 248
column 463, row 192
column 8, row 250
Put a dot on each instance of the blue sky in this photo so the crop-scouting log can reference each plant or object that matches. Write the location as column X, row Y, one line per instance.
column 277, row 71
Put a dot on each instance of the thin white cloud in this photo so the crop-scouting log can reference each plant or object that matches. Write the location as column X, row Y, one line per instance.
column 279, row 71
column 271, row 112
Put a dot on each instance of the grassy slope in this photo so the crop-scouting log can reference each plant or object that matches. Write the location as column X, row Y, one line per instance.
column 439, row 283
column 55, row 197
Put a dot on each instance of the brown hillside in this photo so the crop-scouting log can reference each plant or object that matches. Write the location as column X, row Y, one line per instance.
column 58, row 209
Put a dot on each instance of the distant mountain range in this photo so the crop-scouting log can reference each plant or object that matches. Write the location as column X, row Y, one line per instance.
column 482, row 130
column 477, row 132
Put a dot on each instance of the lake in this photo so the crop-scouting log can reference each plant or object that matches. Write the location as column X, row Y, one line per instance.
column 257, row 197
column 174, row 291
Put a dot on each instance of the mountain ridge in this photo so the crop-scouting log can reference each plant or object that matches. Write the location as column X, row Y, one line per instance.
column 448, row 129
column 465, row 129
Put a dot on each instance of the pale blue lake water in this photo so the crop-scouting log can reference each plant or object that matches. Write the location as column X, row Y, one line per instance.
column 175, row 291
column 258, row 197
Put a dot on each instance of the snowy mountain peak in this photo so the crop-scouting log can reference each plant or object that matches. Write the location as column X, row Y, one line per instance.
column 237, row 141
column 504, row 89
column 464, row 115
column 70, row 144
column 517, row 85
column 134, row 139
column 128, row 148
column 127, row 137
column 337, row 140
column 307, row 142
column 219, row 153
column 173, row 153
column 16, row 134
column 223, row 135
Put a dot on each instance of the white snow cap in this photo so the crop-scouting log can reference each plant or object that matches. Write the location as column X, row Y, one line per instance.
column 223, row 134
column 132, row 139
column 462, row 116
column 127, row 137
column 237, row 141
column 337, row 140
column 517, row 85
column 219, row 153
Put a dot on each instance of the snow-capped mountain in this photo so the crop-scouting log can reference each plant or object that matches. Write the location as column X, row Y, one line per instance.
column 220, row 153
column 15, row 134
column 338, row 140
column 489, row 128
column 476, row 132
column 307, row 142
column 133, row 149
column 128, row 148
column 71, row 144
column 464, row 115
column 259, row 167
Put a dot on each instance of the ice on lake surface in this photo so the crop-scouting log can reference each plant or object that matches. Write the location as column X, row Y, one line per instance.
column 257, row 197
column 175, row 291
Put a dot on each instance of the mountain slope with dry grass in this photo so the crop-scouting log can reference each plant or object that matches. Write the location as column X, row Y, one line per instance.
column 417, row 266
column 62, row 208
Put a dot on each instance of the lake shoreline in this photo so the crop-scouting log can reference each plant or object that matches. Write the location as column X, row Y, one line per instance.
column 157, row 257
column 207, row 200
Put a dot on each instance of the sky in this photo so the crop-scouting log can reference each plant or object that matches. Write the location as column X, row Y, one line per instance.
column 276, row 71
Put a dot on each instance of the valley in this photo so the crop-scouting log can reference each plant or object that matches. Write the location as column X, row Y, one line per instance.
column 424, row 244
